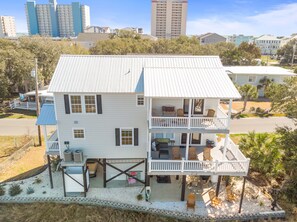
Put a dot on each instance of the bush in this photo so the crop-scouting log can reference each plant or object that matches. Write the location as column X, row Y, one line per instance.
column 30, row 190
column 259, row 110
column 252, row 109
column 139, row 197
column 38, row 180
column 14, row 190
column 2, row 190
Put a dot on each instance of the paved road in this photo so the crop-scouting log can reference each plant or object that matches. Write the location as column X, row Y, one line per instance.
column 18, row 127
column 27, row 126
column 260, row 125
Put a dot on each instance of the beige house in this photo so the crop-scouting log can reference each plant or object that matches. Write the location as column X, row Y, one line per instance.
column 211, row 38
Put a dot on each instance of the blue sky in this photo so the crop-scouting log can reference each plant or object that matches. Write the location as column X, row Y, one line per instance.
column 250, row 17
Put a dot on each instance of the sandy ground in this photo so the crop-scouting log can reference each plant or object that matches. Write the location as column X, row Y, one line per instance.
column 238, row 105
column 32, row 159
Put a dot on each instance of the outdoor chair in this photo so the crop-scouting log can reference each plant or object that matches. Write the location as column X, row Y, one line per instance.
column 230, row 196
column 191, row 201
column 209, row 121
column 180, row 113
column 192, row 153
column 214, row 201
column 176, row 153
column 210, row 113
column 207, row 154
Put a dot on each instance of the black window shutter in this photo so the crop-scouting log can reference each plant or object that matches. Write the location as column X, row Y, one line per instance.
column 135, row 136
column 117, row 137
column 99, row 104
column 66, row 102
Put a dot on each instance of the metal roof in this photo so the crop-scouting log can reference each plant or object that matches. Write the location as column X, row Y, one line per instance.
column 189, row 83
column 258, row 70
column 47, row 115
column 117, row 74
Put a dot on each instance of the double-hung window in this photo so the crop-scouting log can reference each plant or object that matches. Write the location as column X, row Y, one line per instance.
column 90, row 104
column 127, row 137
column 76, row 104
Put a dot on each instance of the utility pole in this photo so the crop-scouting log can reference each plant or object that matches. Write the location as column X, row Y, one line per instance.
column 294, row 48
column 37, row 101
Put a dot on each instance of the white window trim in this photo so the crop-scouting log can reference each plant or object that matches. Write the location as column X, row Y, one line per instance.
column 190, row 141
column 137, row 95
column 126, row 128
column 78, row 129
column 252, row 77
column 83, row 104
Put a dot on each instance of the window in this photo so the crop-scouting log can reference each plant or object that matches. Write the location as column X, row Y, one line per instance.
column 90, row 104
column 164, row 135
column 78, row 133
column 127, row 137
column 76, row 104
column 195, row 138
column 252, row 78
column 140, row 100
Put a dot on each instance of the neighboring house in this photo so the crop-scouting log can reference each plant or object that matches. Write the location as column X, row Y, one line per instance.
column 238, row 39
column 254, row 74
column 97, row 29
column 142, row 116
column 210, row 38
column 268, row 44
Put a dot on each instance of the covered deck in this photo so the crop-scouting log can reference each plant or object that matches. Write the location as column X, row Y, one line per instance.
column 229, row 161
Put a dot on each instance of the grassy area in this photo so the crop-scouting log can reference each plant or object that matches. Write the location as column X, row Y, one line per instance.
column 235, row 137
column 10, row 144
column 260, row 115
column 266, row 58
column 18, row 114
column 73, row 212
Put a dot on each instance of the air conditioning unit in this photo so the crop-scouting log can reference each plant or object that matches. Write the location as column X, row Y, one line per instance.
column 78, row 156
column 68, row 157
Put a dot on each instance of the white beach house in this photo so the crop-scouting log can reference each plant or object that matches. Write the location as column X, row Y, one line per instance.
column 140, row 117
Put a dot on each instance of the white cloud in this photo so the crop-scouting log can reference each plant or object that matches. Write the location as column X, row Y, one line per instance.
column 279, row 21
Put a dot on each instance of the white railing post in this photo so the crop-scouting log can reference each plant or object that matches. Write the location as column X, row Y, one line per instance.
column 189, row 113
column 229, row 113
column 247, row 165
column 150, row 164
column 14, row 103
column 149, row 145
column 216, row 166
column 182, row 164
column 27, row 105
column 187, row 146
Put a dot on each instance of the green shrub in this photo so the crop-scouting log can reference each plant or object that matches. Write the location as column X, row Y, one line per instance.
column 2, row 190
column 30, row 190
column 139, row 197
column 44, row 192
column 252, row 109
column 261, row 203
column 259, row 110
column 14, row 190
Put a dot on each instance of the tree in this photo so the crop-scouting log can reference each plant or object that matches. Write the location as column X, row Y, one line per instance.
column 284, row 97
column 248, row 92
column 249, row 52
column 264, row 152
column 286, row 52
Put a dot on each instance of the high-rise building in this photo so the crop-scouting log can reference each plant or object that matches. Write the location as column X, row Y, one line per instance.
column 56, row 20
column 169, row 18
column 7, row 26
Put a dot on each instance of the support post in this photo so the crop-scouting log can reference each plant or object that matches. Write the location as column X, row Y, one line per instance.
column 45, row 137
column 146, row 177
column 187, row 146
column 218, row 186
column 183, row 190
column 37, row 100
column 225, row 146
column 104, row 173
column 63, row 177
column 242, row 194
column 189, row 113
column 150, row 113
column 149, row 145
column 85, row 181
column 50, row 170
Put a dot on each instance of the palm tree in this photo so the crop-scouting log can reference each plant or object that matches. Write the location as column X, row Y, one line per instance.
column 248, row 92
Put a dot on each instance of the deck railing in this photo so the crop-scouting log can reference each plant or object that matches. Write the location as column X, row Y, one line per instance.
column 195, row 122
column 17, row 104
column 199, row 166
column 53, row 143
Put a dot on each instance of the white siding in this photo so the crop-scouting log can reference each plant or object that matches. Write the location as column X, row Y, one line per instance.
column 119, row 110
